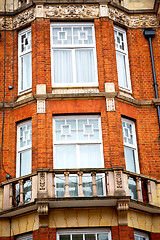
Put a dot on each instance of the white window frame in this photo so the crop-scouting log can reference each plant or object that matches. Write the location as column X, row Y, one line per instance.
column 20, row 55
column 141, row 234
column 73, row 47
column 22, row 149
column 134, row 145
column 125, row 54
column 79, row 142
column 25, row 237
column 84, row 231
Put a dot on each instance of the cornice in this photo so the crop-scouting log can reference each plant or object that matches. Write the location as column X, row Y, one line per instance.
column 79, row 11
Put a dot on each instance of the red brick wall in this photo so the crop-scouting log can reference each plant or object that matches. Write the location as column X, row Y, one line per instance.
column 154, row 236
column 45, row 233
column 122, row 233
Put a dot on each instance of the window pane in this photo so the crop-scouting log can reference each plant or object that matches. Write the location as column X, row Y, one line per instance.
column 132, row 188
column 102, row 236
column 90, row 156
column 60, row 186
column 25, row 162
column 129, row 159
column 26, row 74
column 66, row 156
column 73, row 186
column 121, row 68
column 99, row 184
column 27, row 191
column 87, row 186
column 65, row 237
column 77, row 237
column 85, row 65
column 62, row 64
column 90, row 237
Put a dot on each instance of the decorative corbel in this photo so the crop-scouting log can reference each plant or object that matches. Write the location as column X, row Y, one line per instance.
column 122, row 208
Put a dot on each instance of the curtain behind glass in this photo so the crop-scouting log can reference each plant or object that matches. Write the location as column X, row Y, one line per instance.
column 62, row 65
column 121, row 68
column 85, row 65
column 25, row 162
column 26, row 71
column 90, row 156
column 129, row 159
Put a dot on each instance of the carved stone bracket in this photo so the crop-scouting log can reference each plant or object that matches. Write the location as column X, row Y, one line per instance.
column 122, row 208
column 42, row 209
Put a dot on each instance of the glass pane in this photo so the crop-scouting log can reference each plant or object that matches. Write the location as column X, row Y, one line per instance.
column 81, row 123
column 26, row 72
column 72, row 123
column 85, row 66
column 25, row 162
column 62, row 65
column 65, row 156
column 94, row 122
column 129, row 159
column 95, row 135
column 90, row 156
column 99, row 184
column 102, row 236
column 121, row 68
column 64, row 237
column 60, row 186
column 27, row 191
column 90, row 237
column 77, row 237
column 25, row 135
column 136, row 237
column 132, row 188
column 59, row 123
column 87, row 186
column 73, row 186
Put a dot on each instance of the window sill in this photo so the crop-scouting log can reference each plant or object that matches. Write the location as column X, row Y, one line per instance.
column 126, row 93
column 24, row 96
column 70, row 90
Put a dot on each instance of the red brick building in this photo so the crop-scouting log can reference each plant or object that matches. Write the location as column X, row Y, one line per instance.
column 80, row 120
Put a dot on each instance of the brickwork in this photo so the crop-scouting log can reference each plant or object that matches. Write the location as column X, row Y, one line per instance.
column 154, row 236
column 122, row 232
column 44, row 233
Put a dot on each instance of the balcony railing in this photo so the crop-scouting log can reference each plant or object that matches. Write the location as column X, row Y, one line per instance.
column 79, row 183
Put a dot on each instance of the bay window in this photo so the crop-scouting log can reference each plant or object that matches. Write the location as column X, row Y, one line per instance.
column 73, row 54
column 24, row 61
column 122, row 59
column 84, row 234
column 130, row 152
column 78, row 144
